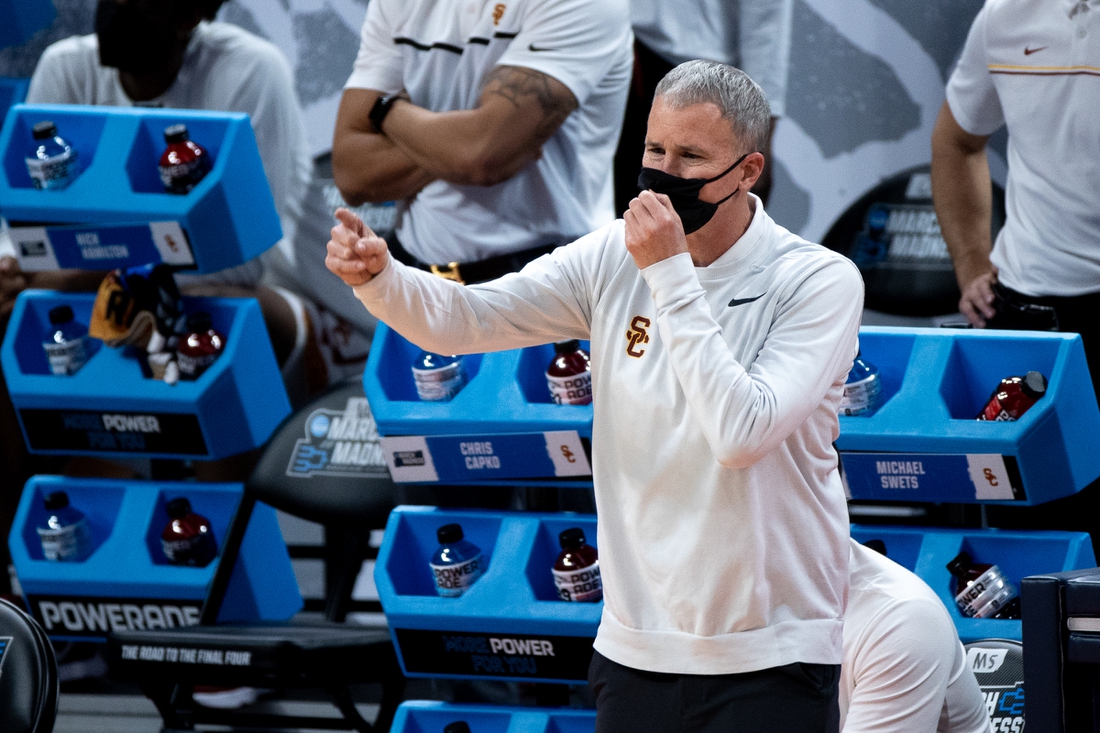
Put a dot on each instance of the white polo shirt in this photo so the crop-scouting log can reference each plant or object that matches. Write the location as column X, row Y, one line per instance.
column 1035, row 66
column 439, row 51
column 904, row 667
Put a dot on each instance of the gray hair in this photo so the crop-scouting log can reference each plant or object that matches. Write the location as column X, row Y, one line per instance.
column 740, row 99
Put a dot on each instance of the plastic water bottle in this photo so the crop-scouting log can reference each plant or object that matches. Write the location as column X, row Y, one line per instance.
column 569, row 375
column 188, row 538
column 438, row 378
column 64, row 533
column 1013, row 397
column 51, row 163
column 982, row 590
column 66, row 345
column 183, row 163
column 577, row 569
column 199, row 347
column 863, row 390
column 457, row 564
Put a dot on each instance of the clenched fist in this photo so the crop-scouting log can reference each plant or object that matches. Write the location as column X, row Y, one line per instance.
column 653, row 229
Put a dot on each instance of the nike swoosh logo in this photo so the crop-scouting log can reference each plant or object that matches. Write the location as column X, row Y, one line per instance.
column 742, row 301
column 1029, row 51
column 536, row 49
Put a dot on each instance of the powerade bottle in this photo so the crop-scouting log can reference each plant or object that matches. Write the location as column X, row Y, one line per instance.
column 199, row 347
column 183, row 163
column 51, row 163
column 863, row 390
column 577, row 569
column 982, row 591
column 67, row 344
column 64, row 532
column 188, row 538
column 438, row 378
column 457, row 563
column 459, row 726
column 1013, row 397
column 569, row 375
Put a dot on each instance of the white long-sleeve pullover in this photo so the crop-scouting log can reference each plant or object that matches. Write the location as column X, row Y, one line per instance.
column 723, row 530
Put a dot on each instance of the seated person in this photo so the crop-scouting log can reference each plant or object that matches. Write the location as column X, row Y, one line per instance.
column 904, row 666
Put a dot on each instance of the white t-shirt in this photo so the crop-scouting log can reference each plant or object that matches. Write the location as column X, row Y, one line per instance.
column 226, row 69
column 904, row 667
column 439, row 51
column 1035, row 66
column 753, row 35
column 723, row 529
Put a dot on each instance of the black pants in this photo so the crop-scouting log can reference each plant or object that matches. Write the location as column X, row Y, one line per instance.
column 796, row 698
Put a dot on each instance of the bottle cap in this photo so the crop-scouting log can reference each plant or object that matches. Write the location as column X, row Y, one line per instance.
column 567, row 347
column 960, row 563
column 56, row 500
column 175, row 134
column 1034, row 385
column 61, row 314
column 572, row 538
column 449, row 533
column 877, row 545
column 459, row 726
column 179, row 508
column 44, row 130
column 199, row 322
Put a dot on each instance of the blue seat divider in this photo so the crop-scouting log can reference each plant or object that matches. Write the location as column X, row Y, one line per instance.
column 926, row 551
column 116, row 213
column 510, row 623
column 127, row 582
column 423, row 716
column 111, row 406
column 923, row 443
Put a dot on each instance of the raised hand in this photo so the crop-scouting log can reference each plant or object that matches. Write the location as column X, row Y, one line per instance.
column 355, row 253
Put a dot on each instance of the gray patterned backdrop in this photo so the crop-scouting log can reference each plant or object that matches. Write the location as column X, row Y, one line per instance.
column 866, row 83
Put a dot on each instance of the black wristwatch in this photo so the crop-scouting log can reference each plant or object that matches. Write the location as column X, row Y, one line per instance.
column 381, row 108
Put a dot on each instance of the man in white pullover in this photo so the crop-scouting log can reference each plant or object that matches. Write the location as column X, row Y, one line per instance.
column 720, row 347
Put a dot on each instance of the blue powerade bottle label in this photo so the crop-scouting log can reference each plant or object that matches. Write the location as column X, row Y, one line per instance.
column 452, row 581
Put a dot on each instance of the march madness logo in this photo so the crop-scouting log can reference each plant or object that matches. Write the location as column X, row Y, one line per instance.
column 339, row 443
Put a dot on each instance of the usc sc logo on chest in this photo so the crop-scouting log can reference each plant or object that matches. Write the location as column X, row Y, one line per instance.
column 637, row 335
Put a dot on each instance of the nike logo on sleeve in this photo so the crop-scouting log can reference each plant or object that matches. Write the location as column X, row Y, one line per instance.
column 742, row 301
column 1029, row 51
column 536, row 49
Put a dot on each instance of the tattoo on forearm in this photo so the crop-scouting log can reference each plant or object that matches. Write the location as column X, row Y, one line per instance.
column 519, row 85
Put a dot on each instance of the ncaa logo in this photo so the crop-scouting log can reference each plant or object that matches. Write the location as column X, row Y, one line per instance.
column 319, row 425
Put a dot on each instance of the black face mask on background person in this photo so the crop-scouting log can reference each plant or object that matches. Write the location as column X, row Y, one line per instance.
column 137, row 37
column 683, row 193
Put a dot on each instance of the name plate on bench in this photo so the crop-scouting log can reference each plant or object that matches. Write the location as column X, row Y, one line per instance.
column 461, row 458
column 101, row 247
column 932, row 477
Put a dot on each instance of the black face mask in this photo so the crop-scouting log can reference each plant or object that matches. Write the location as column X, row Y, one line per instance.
column 137, row 38
column 684, row 194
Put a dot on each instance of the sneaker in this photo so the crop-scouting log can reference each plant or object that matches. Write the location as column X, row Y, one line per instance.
column 224, row 698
